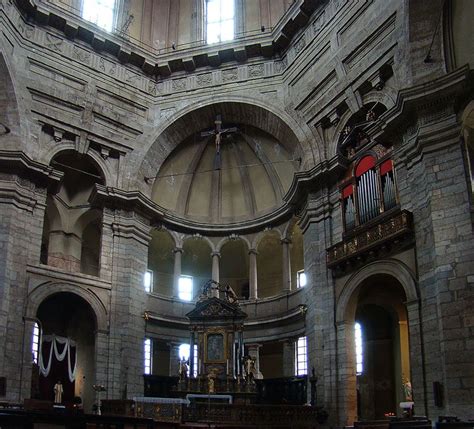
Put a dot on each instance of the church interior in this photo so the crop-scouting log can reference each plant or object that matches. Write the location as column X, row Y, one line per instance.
column 237, row 213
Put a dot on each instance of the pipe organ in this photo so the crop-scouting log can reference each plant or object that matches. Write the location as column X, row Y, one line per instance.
column 372, row 191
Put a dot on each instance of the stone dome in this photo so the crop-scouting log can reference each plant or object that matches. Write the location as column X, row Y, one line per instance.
column 255, row 172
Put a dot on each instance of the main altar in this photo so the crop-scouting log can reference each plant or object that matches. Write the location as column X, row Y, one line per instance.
column 218, row 369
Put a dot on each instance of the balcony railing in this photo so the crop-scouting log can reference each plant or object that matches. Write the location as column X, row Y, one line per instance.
column 390, row 231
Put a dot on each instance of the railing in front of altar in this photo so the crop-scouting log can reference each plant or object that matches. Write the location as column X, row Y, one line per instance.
column 285, row 390
column 260, row 416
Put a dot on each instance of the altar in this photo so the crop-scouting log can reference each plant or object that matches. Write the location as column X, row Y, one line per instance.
column 219, row 365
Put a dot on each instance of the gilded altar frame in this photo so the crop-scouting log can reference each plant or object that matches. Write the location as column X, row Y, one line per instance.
column 215, row 331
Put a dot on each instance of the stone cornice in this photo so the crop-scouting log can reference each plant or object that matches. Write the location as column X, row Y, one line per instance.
column 20, row 164
column 419, row 101
column 314, row 179
column 164, row 64
column 106, row 196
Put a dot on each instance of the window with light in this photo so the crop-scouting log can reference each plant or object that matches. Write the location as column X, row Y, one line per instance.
column 35, row 343
column 185, row 288
column 301, row 279
column 301, row 357
column 184, row 352
column 99, row 12
column 358, row 348
column 219, row 20
column 147, row 355
column 148, row 281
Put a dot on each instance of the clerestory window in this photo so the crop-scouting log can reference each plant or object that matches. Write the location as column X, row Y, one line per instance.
column 185, row 288
column 301, row 357
column 100, row 12
column 220, row 20
column 147, row 350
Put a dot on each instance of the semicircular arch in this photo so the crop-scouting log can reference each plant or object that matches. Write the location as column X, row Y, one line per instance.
column 47, row 289
column 347, row 300
column 245, row 110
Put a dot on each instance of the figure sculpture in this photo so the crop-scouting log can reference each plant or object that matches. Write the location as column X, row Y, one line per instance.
column 58, row 392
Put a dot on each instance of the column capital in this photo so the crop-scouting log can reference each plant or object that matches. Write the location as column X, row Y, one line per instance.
column 178, row 250
column 253, row 251
column 285, row 241
column 215, row 253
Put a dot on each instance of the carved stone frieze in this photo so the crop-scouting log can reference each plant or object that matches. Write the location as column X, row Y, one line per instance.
column 256, row 70
column 229, row 75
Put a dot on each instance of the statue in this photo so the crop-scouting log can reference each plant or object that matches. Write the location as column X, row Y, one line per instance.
column 250, row 372
column 183, row 369
column 230, row 295
column 58, row 392
column 211, row 381
column 407, row 389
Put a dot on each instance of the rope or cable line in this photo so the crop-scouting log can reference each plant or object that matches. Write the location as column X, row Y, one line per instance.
column 76, row 169
column 164, row 176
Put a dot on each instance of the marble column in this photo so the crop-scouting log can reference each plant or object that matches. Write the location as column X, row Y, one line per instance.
column 178, row 251
column 253, row 273
column 215, row 270
column 174, row 359
column 289, row 358
column 286, row 265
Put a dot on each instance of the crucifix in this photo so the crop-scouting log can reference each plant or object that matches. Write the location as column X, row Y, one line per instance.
column 218, row 132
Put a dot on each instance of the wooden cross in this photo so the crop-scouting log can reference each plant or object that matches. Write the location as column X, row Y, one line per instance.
column 218, row 132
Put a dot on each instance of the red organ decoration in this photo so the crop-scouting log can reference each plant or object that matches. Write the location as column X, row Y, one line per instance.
column 369, row 190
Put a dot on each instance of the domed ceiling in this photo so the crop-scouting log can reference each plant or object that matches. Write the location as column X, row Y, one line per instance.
column 245, row 181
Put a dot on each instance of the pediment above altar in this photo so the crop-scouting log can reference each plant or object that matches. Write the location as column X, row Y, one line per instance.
column 215, row 308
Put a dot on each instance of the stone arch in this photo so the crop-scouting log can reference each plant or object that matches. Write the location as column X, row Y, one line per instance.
column 346, row 307
column 259, row 237
column 224, row 240
column 200, row 237
column 243, row 110
column 391, row 267
column 374, row 100
column 95, row 158
column 43, row 291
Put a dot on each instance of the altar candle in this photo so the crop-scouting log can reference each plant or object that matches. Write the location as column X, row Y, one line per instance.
column 227, row 366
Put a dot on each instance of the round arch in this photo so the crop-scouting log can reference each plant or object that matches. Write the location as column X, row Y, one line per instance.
column 392, row 267
column 244, row 110
column 224, row 240
column 92, row 156
column 47, row 289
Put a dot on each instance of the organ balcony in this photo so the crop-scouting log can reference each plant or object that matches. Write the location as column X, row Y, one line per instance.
column 389, row 231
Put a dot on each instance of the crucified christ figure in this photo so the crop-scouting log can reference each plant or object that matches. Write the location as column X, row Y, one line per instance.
column 218, row 132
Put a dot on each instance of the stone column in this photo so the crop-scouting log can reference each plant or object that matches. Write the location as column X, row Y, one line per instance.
column 253, row 352
column 178, row 251
column 286, row 265
column 20, row 243
column 215, row 270
column 289, row 358
column 346, row 375
column 253, row 273
column 101, row 361
column 129, row 238
column 192, row 363
column 174, row 359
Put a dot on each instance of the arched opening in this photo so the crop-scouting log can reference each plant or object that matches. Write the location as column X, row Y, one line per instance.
column 66, row 320
column 380, row 349
column 269, row 265
column 72, row 229
column 161, row 262
column 197, row 262
column 234, row 267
